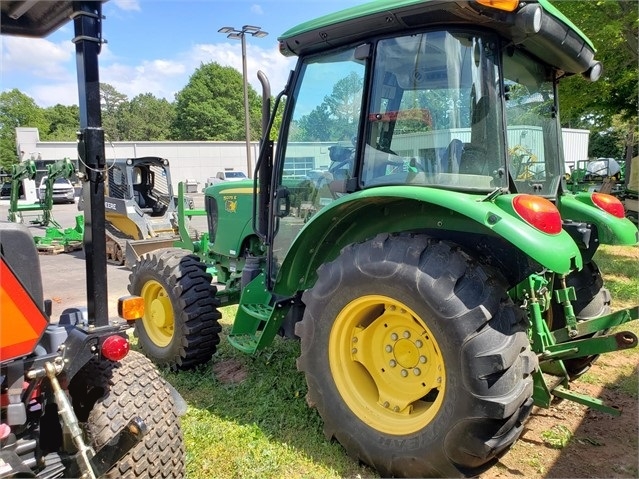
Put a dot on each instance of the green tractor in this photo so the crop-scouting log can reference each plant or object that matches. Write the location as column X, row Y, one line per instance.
column 411, row 229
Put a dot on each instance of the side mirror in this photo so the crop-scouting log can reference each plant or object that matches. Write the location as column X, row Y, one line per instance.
column 282, row 202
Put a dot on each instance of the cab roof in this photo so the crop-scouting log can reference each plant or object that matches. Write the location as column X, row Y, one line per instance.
column 559, row 43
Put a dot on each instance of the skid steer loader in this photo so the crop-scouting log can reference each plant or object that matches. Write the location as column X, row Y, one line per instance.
column 140, row 208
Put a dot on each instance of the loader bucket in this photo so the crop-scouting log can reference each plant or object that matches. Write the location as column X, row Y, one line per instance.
column 135, row 249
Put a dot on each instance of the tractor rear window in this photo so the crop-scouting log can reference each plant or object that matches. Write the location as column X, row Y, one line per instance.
column 434, row 116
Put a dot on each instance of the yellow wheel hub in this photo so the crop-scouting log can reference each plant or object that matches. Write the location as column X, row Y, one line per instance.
column 387, row 365
column 158, row 319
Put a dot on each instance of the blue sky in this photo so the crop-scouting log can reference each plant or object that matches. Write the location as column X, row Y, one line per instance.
column 155, row 45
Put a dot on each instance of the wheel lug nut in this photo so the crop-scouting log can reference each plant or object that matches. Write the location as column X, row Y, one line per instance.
column 355, row 340
column 389, row 348
column 404, row 373
column 392, row 363
column 422, row 359
column 406, row 334
column 396, row 409
column 386, row 405
column 392, row 308
column 418, row 343
column 394, row 337
column 417, row 371
column 354, row 350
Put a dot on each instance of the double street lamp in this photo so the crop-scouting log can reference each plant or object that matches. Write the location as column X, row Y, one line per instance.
column 236, row 34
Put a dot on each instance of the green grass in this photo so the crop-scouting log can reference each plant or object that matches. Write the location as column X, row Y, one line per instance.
column 263, row 428
column 557, row 437
column 620, row 269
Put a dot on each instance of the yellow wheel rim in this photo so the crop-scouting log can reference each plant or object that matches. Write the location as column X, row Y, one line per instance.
column 387, row 365
column 158, row 319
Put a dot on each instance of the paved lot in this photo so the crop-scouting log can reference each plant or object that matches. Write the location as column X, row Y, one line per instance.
column 64, row 275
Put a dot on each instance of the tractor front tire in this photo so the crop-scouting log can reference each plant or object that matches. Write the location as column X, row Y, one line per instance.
column 415, row 357
column 106, row 395
column 180, row 326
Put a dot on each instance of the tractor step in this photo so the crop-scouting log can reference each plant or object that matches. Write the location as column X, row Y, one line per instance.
column 246, row 343
column 258, row 317
column 261, row 312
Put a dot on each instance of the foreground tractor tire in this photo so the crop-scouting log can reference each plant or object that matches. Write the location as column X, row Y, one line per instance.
column 107, row 395
column 180, row 326
column 415, row 358
column 593, row 300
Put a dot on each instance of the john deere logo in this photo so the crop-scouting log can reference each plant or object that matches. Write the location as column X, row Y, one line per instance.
column 230, row 204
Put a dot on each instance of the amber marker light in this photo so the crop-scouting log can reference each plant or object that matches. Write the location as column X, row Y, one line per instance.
column 115, row 347
column 538, row 212
column 505, row 5
column 609, row 204
column 131, row 308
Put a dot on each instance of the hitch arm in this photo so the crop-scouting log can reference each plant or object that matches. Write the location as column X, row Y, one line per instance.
column 599, row 324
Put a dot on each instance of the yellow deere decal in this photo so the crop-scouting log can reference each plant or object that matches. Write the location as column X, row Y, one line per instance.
column 230, row 204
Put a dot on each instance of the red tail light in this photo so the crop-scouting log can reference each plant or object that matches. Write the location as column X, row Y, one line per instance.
column 538, row 212
column 609, row 204
column 115, row 347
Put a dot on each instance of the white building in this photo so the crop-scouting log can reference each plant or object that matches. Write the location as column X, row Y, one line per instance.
column 189, row 160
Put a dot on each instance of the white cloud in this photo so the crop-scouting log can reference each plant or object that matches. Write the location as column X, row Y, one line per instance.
column 64, row 93
column 257, row 9
column 128, row 5
column 270, row 61
column 50, row 69
column 163, row 78
column 37, row 57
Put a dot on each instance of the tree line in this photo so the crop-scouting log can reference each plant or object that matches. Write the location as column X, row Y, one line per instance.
column 209, row 108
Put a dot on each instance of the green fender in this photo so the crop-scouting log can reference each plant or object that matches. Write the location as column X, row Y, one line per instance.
column 612, row 230
column 393, row 209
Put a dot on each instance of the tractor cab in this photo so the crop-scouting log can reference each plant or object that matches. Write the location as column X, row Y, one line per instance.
column 145, row 180
column 467, row 104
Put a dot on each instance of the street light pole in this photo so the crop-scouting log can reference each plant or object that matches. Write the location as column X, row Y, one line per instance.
column 241, row 35
column 247, row 115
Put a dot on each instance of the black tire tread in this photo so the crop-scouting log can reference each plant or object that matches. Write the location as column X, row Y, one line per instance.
column 133, row 387
column 470, row 298
column 195, row 305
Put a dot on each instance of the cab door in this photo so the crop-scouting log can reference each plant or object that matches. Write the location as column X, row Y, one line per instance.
column 316, row 153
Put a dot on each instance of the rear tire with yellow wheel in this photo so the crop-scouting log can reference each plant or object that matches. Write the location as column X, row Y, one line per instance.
column 415, row 357
column 180, row 326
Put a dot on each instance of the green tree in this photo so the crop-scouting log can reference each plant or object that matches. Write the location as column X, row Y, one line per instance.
column 336, row 117
column 16, row 109
column 147, row 118
column 211, row 106
column 114, row 105
column 64, row 123
column 613, row 27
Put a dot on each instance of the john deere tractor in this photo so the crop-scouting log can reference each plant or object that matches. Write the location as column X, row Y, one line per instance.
column 412, row 230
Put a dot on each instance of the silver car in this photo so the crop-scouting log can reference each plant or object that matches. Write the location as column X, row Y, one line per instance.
column 63, row 190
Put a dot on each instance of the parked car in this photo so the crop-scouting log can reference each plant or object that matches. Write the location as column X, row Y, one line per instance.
column 63, row 190
column 5, row 190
